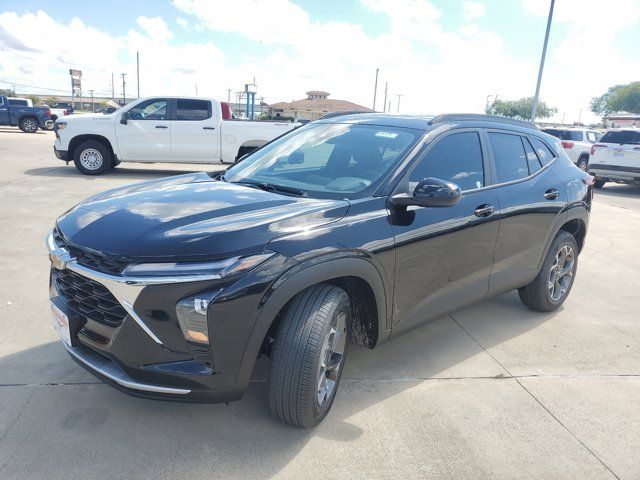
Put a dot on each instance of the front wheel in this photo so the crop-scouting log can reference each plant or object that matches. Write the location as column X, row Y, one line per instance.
column 28, row 125
column 551, row 287
column 92, row 158
column 308, row 355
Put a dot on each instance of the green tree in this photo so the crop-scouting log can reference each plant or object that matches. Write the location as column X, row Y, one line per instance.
column 619, row 98
column 36, row 100
column 520, row 109
column 7, row 92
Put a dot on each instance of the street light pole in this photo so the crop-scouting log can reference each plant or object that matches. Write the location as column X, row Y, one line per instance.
column 534, row 107
column 375, row 90
column 124, row 96
column 398, row 107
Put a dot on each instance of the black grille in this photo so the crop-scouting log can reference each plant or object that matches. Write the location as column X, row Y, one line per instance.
column 91, row 260
column 89, row 298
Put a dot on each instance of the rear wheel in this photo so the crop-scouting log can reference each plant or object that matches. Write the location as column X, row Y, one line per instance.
column 551, row 287
column 28, row 124
column 583, row 163
column 308, row 355
column 92, row 158
column 599, row 183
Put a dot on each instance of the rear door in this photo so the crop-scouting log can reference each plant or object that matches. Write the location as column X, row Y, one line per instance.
column 4, row 111
column 444, row 255
column 531, row 197
column 146, row 137
column 194, row 131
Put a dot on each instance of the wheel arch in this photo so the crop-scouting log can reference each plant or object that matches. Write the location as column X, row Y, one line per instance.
column 77, row 140
column 576, row 227
column 359, row 277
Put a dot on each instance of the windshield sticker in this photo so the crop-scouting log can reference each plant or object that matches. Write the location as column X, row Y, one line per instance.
column 386, row 134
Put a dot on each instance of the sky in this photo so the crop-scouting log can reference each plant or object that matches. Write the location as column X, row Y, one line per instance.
column 439, row 55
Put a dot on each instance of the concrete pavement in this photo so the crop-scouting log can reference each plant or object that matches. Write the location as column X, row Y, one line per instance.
column 493, row 391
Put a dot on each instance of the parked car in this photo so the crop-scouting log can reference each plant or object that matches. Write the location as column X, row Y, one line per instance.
column 56, row 113
column 347, row 230
column 160, row 129
column 20, row 102
column 68, row 106
column 616, row 157
column 28, row 119
column 577, row 143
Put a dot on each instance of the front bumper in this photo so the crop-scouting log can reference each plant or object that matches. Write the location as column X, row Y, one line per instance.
column 61, row 154
column 146, row 353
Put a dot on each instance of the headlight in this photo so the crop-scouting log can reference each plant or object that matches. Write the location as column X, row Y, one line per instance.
column 199, row 270
column 192, row 316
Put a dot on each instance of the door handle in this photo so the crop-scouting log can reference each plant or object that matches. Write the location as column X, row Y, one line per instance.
column 161, row 126
column 208, row 128
column 551, row 194
column 484, row 210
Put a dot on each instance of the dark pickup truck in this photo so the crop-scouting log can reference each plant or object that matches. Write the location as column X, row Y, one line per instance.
column 28, row 119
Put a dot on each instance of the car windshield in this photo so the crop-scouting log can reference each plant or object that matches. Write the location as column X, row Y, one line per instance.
column 326, row 160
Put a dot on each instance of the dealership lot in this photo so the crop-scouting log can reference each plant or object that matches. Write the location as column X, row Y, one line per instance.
column 493, row 391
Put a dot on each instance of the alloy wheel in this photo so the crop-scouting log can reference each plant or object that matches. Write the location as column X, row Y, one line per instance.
column 30, row 125
column 331, row 358
column 561, row 274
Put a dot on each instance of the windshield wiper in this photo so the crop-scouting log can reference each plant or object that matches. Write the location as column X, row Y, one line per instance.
column 270, row 187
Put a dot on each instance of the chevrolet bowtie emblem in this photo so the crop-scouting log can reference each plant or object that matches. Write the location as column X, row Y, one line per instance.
column 60, row 258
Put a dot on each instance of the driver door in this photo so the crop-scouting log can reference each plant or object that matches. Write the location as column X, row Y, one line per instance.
column 146, row 136
column 444, row 255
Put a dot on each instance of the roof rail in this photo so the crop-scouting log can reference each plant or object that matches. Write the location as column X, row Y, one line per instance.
column 478, row 117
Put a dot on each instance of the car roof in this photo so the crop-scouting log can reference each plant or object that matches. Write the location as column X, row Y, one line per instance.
column 429, row 122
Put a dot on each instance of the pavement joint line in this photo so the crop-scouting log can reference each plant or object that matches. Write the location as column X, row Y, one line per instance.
column 538, row 401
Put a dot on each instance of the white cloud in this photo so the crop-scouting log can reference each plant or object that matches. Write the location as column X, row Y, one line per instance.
column 471, row 10
column 155, row 28
column 183, row 23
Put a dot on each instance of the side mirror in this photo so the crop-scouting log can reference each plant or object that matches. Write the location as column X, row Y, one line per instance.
column 124, row 118
column 430, row 192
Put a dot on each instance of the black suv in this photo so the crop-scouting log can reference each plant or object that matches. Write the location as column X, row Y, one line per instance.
column 348, row 230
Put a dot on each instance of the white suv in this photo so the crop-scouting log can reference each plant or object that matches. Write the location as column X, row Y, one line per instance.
column 616, row 157
column 577, row 143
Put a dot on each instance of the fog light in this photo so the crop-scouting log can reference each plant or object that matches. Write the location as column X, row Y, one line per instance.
column 192, row 316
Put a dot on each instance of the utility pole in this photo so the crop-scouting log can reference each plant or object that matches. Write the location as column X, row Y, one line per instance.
column 196, row 89
column 138, row 71
column 384, row 104
column 563, row 118
column 389, row 109
column 398, row 107
column 375, row 90
column 93, row 108
column 534, row 107
column 229, row 96
column 113, row 97
column 124, row 96
column 579, row 115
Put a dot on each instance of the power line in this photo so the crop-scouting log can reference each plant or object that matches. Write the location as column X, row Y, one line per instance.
column 45, row 88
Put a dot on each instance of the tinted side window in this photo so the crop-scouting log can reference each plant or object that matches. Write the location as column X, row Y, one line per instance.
column 532, row 158
column 193, row 109
column 509, row 157
column 154, row 109
column 575, row 135
column 544, row 154
column 456, row 158
column 18, row 103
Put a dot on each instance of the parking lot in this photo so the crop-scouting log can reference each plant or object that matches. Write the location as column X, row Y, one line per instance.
column 493, row 391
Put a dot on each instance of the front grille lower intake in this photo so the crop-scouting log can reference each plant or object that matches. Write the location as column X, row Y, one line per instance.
column 89, row 298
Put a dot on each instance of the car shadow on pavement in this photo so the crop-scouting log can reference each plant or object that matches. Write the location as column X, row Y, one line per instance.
column 117, row 173
column 63, row 423
column 616, row 190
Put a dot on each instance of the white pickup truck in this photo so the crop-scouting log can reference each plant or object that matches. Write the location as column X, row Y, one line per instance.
column 160, row 129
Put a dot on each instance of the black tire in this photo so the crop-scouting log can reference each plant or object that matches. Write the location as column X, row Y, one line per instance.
column 92, row 158
column 538, row 295
column 299, row 347
column 242, row 151
column 599, row 183
column 28, row 124
column 583, row 163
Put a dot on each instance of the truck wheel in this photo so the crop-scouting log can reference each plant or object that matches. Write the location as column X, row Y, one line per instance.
column 599, row 183
column 92, row 158
column 551, row 287
column 28, row 124
column 308, row 355
column 583, row 163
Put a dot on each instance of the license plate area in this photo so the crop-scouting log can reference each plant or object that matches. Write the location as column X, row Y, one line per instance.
column 60, row 322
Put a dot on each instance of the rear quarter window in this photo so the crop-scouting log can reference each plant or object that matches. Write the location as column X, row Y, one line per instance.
column 545, row 154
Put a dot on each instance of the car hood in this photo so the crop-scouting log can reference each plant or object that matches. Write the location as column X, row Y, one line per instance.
column 190, row 216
